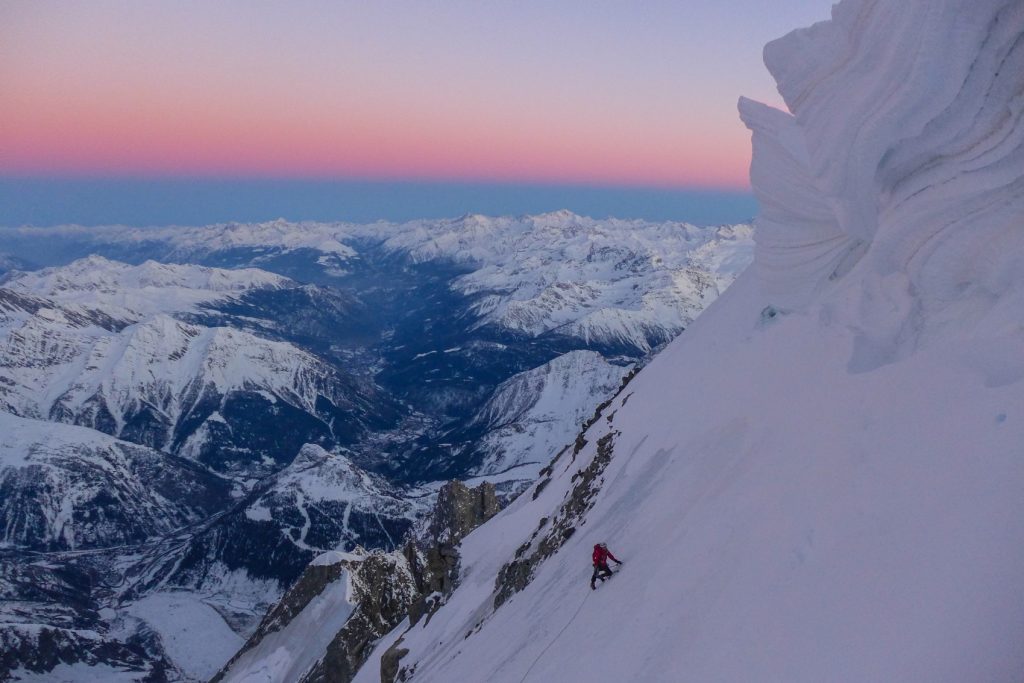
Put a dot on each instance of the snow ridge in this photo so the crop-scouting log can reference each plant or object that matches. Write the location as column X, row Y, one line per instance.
column 145, row 289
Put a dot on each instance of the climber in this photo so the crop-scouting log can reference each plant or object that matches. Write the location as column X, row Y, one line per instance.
column 601, row 570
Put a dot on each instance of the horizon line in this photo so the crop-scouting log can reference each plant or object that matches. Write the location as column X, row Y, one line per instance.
column 6, row 176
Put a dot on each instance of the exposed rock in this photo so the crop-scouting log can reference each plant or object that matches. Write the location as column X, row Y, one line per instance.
column 38, row 649
column 460, row 509
column 517, row 574
column 383, row 589
column 389, row 662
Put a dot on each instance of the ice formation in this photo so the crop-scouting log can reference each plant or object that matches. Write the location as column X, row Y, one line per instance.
column 822, row 478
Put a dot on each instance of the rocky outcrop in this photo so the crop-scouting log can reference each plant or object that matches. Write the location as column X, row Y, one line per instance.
column 459, row 510
column 380, row 588
column 74, row 632
column 433, row 568
column 389, row 662
column 552, row 533
column 348, row 600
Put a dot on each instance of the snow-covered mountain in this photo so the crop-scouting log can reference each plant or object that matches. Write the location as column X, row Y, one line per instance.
column 533, row 415
column 68, row 488
column 137, row 290
column 613, row 282
column 323, row 501
column 94, row 343
column 628, row 283
column 303, row 417
column 821, row 479
column 362, row 596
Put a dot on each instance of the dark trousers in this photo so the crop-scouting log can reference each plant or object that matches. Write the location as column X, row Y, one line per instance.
column 601, row 571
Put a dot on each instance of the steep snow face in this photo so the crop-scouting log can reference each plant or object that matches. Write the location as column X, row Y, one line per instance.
column 821, row 479
column 613, row 282
column 536, row 413
column 289, row 653
column 67, row 488
column 320, row 629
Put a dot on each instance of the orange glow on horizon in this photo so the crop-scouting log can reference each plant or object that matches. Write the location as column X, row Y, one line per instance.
column 153, row 140
column 159, row 96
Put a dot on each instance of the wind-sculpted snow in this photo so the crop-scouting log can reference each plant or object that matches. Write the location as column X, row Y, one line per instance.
column 904, row 153
column 821, row 479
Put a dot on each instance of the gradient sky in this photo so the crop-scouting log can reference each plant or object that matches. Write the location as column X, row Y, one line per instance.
column 584, row 92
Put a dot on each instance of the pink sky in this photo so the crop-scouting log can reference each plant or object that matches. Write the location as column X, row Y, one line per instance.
column 589, row 92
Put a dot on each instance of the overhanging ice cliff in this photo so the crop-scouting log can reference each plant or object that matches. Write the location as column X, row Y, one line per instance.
column 823, row 478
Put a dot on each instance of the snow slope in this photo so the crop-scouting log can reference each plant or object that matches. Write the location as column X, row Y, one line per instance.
column 533, row 415
column 274, row 659
column 822, row 479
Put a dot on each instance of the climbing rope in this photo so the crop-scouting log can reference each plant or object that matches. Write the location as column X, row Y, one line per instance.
column 605, row 486
column 557, row 635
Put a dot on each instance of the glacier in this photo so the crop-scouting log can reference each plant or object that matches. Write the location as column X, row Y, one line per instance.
column 821, row 479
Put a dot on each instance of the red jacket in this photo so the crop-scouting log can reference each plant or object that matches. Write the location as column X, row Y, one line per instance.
column 602, row 555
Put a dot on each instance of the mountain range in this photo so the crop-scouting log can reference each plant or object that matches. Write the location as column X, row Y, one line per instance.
column 190, row 416
column 820, row 480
